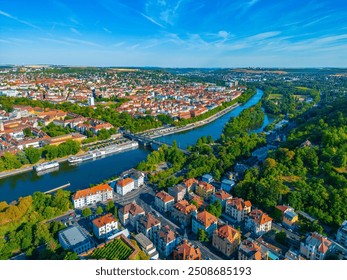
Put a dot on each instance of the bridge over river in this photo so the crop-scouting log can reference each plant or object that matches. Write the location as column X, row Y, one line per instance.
column 147, row 141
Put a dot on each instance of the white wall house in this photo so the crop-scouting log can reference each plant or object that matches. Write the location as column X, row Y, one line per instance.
column 258, row 222
column 237, row 208
column 164, row 201
column 125, row 185
column 105, row 226
column 92, row 195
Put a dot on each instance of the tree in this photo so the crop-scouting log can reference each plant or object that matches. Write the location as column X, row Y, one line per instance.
column 99, row 210
column 281, row 237
column 33, row 154
column 2, row 165
column 71, row 256
column 41, row 234
column 10, row 161
column 110, row 206
column 86, row 212
column 193, row 202
column 27, row 132
column 202, row 235
column 22, row 158
column 215, row 208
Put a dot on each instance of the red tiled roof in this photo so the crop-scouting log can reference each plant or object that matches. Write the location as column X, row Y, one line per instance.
column 133, row 209
column 149, row 221
column 260, row 217
column 92, row 191
column 206, row 218
column 167, row 234
column 104, row 220
column 282, row 208
column 189, row 182
column 185, row 207
column 239, row 203
column 222, row 195
column 206, row 186
column 324, row 242
column 164, row 196
column 124, row 182
column 187, row 251
column 228, row 232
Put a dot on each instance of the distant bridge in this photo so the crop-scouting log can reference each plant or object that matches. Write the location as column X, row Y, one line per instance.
column 146, row 141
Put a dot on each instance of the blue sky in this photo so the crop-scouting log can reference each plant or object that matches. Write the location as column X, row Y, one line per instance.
column 174, row 33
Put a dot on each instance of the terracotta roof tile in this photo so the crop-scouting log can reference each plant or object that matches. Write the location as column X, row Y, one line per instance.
column 104, row 220
column 206, row 218
column 164, row 196
column 124, row 182
column 92, row 191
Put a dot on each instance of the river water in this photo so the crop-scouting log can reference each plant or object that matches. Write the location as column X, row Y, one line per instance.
column 92, row 172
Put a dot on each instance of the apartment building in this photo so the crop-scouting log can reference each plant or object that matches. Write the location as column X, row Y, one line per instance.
column 186, row 251
column 205, row 221
column 226, row 239
column 182, row 212
column 104, row 226
column 92, row 195
column 125, row 186
column 315, row 247
column 130, row 213
column 237, row 208
column 258, row 222
column 164, row 201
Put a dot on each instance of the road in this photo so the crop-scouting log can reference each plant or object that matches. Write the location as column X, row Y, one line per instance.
column 289, row 233
column 129, row 197
column 205, row 252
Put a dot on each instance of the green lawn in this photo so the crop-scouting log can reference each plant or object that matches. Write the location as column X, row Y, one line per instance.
column 275, row 96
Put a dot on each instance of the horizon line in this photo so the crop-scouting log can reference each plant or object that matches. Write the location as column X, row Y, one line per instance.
column 173, row 67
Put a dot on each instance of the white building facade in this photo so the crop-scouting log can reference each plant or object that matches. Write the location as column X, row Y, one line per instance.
column 92, row 195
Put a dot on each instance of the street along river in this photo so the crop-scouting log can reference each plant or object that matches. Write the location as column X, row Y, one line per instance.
column 94, row 171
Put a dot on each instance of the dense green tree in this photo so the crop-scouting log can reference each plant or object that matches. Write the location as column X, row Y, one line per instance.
column 33, row 154
column 71, row 256
column 215, row 208
column 110, row 205
column 22, row 158
column 202, row 235
column 10, row 161
column 27, row 132
column 86, row 212
column 56, row 130
column 99, row 210
column 281, row 237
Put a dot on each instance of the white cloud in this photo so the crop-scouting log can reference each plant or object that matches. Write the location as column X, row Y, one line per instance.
column 331, row 39
column 74, row 20
column 74, row 30
column 224, row 34
column 18, row 20
column 152, row 20
column 82, row 42
column 107, row 30
column 57, row 41
column 265, row 35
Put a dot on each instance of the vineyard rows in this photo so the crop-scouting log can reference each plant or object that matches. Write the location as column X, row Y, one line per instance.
column 116, row 250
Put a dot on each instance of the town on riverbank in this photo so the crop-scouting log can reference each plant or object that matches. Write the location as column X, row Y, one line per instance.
column 48, row 118
column 241, row 195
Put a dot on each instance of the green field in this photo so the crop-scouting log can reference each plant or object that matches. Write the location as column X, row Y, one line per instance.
column 116, row 250
column 275, row 96
column 303, row 88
